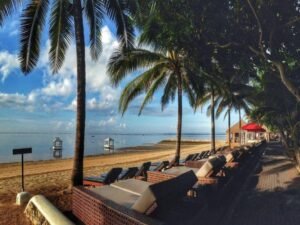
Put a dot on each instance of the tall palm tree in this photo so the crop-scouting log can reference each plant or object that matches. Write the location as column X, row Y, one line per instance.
column 64, row 16
column 210, row 94
column 234, row 96
column 162, row 69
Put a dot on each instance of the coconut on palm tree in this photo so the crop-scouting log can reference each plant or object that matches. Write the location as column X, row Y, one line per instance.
column 66, row 15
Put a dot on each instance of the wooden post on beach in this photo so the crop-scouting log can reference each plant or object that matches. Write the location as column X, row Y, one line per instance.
column 22, row 197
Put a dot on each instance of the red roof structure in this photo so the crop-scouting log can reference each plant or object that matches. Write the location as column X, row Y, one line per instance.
column 253, row 127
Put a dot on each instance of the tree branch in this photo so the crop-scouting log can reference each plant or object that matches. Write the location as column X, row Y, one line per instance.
column 290, row 85
column 227, row 45
column 260, row 30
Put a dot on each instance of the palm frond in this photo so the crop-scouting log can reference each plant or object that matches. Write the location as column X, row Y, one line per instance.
column 118, row 11
column 32, row 22
column 208, row 111
column 60, row 33
column 223, row 104
column 190, row 93
column 94, row 13
column 137, row 86
column 156, row 84
column 169, row 91
column 7, row 7
column 122, row 63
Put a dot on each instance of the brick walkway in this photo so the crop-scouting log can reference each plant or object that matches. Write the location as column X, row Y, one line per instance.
column 271, row 196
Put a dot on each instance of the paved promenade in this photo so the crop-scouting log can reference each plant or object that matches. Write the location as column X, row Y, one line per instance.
column 271, row 195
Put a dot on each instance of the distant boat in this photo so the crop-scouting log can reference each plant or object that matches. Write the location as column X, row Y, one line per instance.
column 57, row 144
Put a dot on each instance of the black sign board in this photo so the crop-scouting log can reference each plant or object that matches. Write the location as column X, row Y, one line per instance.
column 22, row 151
column 19, row 151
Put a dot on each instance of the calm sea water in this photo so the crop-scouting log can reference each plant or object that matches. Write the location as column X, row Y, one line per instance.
column 42, row 143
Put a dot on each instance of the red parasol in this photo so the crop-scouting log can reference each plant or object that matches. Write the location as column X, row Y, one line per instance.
column 253, row 127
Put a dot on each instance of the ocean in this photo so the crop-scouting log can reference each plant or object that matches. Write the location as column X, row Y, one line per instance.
column 41, row 143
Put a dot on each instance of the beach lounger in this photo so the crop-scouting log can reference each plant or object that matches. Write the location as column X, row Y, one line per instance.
column 200, row 156
column 187, row 158
column 128, row 173
column 103, row 179
column 142, row 172
column 205, row 155
column 159, row 166
column 129, row 201
column 209, row 173
column 195, row 156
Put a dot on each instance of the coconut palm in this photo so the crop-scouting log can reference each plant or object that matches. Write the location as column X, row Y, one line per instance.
column 162, row 69
column 66, row 15
column 233, row 97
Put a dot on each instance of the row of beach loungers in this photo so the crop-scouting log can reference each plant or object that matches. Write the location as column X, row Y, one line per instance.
column 116, row 174
column 137, row 196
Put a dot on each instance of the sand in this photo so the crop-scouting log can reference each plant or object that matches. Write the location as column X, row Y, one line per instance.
column 52, row 178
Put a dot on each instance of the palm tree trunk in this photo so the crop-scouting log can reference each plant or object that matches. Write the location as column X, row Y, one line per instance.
column 213, row 129
column 179, row 122
column 77, row 171
column 240, row 126
column 229, row 130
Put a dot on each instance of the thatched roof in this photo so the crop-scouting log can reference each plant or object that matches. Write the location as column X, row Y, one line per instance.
column 235, row 128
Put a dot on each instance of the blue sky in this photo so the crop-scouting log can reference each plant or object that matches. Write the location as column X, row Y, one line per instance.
column 42, row 102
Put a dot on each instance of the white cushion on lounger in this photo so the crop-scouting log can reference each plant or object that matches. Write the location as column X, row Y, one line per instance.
column 145, row 202
column 133, row 186
column 116, row 195
column 229, row 157
column 205, row 169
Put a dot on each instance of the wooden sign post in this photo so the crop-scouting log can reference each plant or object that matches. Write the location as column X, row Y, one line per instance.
column 22, row 151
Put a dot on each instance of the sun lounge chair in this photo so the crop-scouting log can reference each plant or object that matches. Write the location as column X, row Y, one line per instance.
column 187, row 158
column 142, row 172
column 171, row 164
column 205, row 155
column 128, row 173
column 209, row 173
column 195, row 156
column 103, row 179
column 200, row 156
column 129, row 201
column 159, row 166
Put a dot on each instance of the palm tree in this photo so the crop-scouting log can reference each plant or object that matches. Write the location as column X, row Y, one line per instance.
column 61, row 26
column 210, row 95
column 233, row 96
column 162, row 69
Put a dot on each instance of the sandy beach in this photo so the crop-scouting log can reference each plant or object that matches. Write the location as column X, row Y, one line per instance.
column 52, row 178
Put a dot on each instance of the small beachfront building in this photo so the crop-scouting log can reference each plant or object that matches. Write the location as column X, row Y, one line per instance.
column 249, row 133
column 235, row 133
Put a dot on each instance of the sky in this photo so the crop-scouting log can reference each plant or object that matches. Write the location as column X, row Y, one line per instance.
column 45, row 102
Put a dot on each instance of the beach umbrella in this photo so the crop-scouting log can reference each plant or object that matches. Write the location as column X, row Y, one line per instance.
column 253, row 127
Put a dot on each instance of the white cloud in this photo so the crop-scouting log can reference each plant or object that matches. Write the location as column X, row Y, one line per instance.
column 8, row 63
column 17, row 100
column 63, row 125
column 123, row 125
column 61, row 88
column 107, row 123
column 96, row 77
column 101, row 95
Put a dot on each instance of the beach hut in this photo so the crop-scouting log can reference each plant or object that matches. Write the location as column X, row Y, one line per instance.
column 236, row 135
column 253, row 132
column 109, row 144
column 57, row 144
